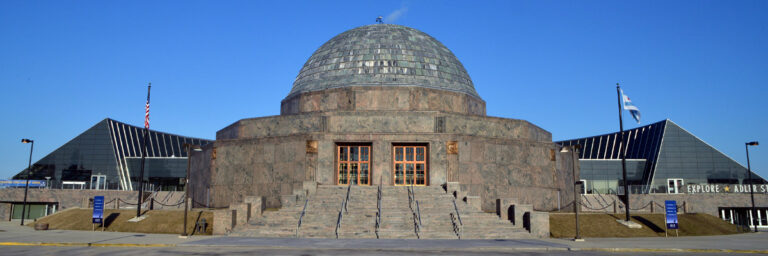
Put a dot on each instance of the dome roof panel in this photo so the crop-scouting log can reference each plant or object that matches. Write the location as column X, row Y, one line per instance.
column 383, row 55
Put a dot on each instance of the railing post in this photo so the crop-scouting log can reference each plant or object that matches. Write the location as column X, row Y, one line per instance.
column 651, row 206
column 615, row 207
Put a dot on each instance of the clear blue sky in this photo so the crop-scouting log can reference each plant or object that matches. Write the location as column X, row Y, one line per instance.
column 65, row 65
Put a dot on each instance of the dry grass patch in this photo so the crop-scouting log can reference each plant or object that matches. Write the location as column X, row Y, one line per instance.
column 561, row 225
column 157, row 221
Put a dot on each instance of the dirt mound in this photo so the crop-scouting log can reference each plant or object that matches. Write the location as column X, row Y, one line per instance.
column 157, row 221
column 605, row 225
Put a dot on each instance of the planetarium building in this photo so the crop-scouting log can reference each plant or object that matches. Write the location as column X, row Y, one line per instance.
column 383, row 105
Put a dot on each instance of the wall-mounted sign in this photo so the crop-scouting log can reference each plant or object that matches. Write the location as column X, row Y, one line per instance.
column 22, row 183
column 725, row 188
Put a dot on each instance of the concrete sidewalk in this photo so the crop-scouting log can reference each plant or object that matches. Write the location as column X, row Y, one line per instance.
column 13, row 234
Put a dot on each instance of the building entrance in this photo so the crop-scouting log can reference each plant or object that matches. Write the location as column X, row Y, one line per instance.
column 410, row 165
column 353, row 165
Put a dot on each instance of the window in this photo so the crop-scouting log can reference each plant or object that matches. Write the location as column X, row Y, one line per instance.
column 410, row 165
column 674, row 186
column 353, row 165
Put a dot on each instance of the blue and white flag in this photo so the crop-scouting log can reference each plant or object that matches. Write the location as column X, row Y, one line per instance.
column 630, row 107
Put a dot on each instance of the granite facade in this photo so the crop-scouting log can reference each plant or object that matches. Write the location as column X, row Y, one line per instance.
column 383, row 98
column 496, row 157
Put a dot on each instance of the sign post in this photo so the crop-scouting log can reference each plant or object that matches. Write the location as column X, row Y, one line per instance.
column 670, row 207
column 98, row 212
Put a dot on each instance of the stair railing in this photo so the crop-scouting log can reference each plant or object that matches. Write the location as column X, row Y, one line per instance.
column 415, row 211
column 456, row 229
column 458, row 215
column 346, row 199
column 342, row 210
column 301, row 216
column 378, row 205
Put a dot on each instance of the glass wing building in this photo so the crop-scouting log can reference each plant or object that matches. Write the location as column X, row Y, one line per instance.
column 661, row 158
column 108, row 156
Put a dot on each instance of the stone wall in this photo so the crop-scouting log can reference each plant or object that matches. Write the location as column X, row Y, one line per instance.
column 200, row 180
column 390, row 98
column 701, row 203
column 417, row 122
column 494, row 168
column 65, row 198
column 489, row 168
column 497, row 157
column 268, row 167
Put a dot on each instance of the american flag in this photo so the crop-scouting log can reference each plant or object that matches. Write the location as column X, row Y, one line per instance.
column 146, row 112
column 146, row 116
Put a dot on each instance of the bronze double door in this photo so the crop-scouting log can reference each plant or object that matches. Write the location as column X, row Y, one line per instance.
column 409, row 165
column 354, row 165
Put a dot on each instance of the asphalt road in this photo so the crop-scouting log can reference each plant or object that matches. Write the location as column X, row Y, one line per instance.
column 212, row 250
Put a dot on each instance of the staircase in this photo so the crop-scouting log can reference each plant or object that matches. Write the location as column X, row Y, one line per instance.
column 427, row 213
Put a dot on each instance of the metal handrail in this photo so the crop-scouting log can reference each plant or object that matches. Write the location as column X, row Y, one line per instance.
column 346, row 199
column 456, row 229
column 338, row 221
column 342, row 210
column 416, row 212
column 378, row 205
column 301, row 216
column 458, row 215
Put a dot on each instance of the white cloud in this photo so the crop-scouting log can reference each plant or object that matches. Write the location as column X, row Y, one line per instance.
column 395, row 15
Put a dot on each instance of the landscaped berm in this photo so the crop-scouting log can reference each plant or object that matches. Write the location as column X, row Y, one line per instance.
column 157, row 221
column 605, row 225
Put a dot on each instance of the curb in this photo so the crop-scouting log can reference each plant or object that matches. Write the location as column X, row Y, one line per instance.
column 668, row 250
column 549, row 249
column 83, row 244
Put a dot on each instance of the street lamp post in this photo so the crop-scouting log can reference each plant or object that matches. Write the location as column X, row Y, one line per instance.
column 576, row 183
column 29, row 172
column 751, row 188
column 189, row 148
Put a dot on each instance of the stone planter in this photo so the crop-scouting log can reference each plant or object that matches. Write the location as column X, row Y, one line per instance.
column 41, row 226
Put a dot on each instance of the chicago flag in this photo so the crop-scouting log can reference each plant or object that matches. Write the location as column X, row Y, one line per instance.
column 630, row 107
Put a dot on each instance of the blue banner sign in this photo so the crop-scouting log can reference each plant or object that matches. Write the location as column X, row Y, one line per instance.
column 21, row 183
column 671, row 209
column 98, row 209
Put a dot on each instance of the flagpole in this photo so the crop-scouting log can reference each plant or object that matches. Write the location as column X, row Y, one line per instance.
column 622, row 146
column 143, row 153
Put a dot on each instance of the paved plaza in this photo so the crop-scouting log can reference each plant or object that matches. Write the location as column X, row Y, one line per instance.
column 17, row 240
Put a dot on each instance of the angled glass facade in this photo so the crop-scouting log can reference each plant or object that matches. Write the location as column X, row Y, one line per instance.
column 112, row 150
column 658, row 155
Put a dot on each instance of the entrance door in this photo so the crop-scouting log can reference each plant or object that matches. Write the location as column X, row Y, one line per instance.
column 410, row 165
column 98, row 182
column 674, row 186
column 353, row 166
